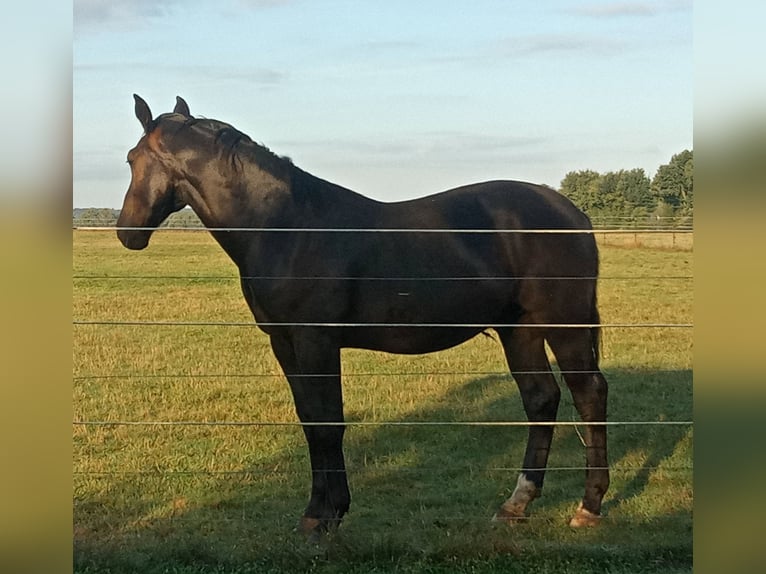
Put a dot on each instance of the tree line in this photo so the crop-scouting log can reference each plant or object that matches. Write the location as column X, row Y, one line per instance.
column 107, row 217
column 612, row 198
column 629, row 195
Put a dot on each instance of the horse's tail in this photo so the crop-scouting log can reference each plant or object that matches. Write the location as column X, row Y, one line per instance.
column 595, row 319
column 595, row 330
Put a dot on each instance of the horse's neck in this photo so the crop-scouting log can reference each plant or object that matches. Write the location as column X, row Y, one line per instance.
column 257, row 200
column 231, row 203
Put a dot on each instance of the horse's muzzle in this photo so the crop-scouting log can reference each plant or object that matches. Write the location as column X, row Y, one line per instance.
column 133, row 239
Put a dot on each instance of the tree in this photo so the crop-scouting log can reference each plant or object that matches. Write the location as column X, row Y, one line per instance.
column 611, row 202
column 631, row 194
column 582, row 187
column 673, row 184
column 635, row 188
column 184, row 218
column 96, row 217
column 624, row 193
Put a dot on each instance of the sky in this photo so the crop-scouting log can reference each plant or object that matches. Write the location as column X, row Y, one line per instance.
column 394, row 99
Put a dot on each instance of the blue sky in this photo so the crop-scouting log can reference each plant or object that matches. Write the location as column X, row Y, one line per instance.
column 394, row 99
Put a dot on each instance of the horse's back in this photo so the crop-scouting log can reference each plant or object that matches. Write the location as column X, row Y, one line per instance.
column 490, row 205
column 531, row 225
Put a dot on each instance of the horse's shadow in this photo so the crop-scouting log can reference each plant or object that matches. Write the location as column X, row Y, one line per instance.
column 489, row 457
column 416, row 490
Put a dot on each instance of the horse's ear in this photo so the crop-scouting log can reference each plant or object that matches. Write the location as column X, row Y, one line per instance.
column 182, row 107
column 143, row 113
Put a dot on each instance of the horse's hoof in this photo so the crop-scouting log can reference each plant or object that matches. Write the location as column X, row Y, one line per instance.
column 509, row 515
column 307, row 524
column 584, row 518
column 314, row 530
column 310, row 529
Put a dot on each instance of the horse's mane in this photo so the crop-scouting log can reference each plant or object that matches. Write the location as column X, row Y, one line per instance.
column 237, row 148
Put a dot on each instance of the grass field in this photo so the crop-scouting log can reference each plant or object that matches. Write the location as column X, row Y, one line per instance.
column 201, row 498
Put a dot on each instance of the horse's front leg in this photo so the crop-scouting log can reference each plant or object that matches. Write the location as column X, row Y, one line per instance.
column 311, row 363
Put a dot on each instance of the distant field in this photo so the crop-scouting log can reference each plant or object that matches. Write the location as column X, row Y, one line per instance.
column 674, row 240
column 202, row 498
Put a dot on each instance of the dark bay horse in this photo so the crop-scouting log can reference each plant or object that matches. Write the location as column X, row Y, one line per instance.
column 407, row 277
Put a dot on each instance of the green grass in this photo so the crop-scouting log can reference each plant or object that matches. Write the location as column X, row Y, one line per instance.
column 193, row 499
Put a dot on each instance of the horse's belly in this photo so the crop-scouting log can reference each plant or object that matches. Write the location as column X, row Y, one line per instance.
column 407, row 340
column 412, row 323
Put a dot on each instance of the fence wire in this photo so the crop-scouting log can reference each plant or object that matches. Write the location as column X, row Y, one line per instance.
column 615, row 226
column 350, row 468
column 346, row 375
column 180, row 423
column 395, row 230
column 380, row 279
column 320, row 324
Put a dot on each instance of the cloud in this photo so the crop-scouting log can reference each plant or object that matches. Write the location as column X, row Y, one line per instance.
column 387, row 46
column 99, row 164
column 92, row 15
column 259, row 4
column 471, row 144
column 560, row 43
column 617, row 9
column 260, row 76
column 96, row 14
column 435, row 148
column 256, row 75
column 631, row 9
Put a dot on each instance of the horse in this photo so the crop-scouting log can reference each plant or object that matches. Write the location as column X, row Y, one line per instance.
column 407, row 277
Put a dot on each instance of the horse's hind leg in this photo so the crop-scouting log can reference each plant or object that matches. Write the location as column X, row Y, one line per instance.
column 576, row 356
column 540, row 394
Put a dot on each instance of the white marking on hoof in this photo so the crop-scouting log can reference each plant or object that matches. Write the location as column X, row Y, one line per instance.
column 584, row 518
column 515, row 507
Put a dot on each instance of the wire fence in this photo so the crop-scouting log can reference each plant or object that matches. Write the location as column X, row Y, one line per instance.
column 184, row 221
column 351, row 467
column 180, row 423
column 670, row 232
column 398, row 230
column 388, row 325
column 366, row 374
column 605, row 227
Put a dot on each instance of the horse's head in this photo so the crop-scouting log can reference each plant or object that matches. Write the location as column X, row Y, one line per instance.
column 152, row 194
